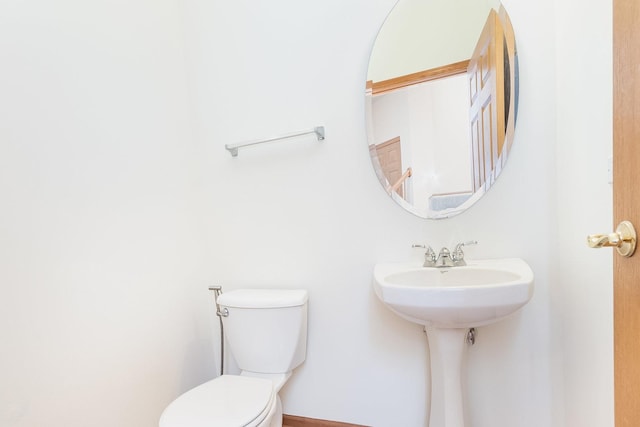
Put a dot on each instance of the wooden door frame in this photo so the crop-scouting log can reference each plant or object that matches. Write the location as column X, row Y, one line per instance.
column 626, row 206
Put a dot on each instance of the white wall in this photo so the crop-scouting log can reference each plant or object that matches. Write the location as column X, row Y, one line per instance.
column 583, row 296
column 313, row 215
column 107, row 242
column 103, row 303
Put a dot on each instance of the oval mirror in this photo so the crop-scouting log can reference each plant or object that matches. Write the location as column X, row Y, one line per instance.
column 441, row 102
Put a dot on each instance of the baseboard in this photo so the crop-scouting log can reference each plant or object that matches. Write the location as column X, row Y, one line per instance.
column 295, row 421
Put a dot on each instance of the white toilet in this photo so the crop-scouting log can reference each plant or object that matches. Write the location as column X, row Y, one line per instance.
column 266, row 330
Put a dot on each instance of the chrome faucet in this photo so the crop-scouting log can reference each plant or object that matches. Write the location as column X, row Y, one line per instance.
column 445, row 258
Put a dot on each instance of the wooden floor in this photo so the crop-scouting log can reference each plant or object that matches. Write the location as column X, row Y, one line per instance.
column 295, row 421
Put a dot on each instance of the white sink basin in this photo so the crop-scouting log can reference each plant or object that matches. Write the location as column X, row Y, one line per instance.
column 482, row 292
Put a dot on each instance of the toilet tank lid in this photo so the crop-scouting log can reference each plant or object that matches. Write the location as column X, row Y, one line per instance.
column 264, row 298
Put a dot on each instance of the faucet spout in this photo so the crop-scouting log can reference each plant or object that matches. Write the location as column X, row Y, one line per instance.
column 444, row 258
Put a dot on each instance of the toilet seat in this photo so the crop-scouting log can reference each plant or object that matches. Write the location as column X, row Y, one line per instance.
column 227, row 401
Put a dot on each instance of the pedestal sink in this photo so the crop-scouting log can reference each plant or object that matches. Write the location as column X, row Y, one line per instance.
column 448, row 302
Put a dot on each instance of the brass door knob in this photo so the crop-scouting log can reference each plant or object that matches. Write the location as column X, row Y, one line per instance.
column 624, row 239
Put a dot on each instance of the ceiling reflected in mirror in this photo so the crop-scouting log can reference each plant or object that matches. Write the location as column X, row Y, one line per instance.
column 441, row 99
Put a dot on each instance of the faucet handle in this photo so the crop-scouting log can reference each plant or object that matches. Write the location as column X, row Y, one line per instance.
column 458, row 254
column 429, row 255
column 469, row 243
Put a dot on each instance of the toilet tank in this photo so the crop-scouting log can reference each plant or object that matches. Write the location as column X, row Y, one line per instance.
column 266, row 329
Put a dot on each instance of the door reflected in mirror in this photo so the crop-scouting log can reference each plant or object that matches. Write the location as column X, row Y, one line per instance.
column 441, row 99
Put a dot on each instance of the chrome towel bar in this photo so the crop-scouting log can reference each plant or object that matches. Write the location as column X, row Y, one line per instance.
column 318, row 131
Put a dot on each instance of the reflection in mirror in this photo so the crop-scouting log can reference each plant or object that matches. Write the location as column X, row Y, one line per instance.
column 441, row 102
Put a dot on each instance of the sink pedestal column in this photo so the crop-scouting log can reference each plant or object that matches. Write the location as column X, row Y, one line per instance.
column 446, row 349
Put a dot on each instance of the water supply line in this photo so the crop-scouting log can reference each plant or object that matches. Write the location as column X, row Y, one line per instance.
column 217, row 290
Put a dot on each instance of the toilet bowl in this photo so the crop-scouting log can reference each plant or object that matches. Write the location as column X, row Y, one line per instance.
column 266, row 331
column 229, row 400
